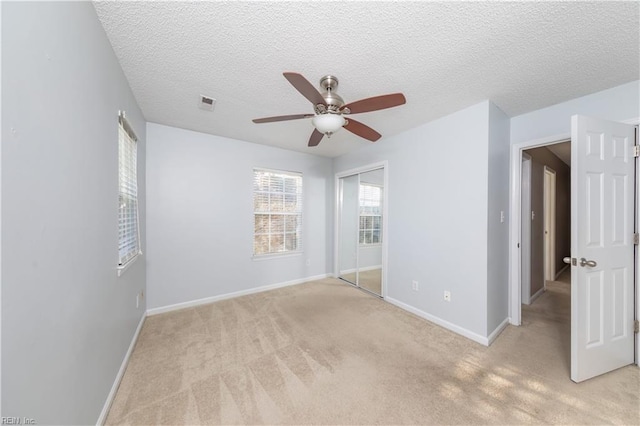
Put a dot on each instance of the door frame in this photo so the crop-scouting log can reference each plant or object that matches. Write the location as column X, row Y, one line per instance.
column 515, row 226
column 385, row 217
column 514, row 295
column 339, row 224
column 549, row 220
column 525, row 215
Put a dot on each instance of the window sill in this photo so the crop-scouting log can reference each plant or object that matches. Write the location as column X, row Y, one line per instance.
column 261, row 257
column 126, row 266
column 370, row 245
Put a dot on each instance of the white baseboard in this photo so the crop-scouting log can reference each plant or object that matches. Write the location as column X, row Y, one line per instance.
column 204, row 301
column 123, row 367
column 560, row 272
column 363, row 269
column 442, row 323
column 370, row 268
column 495, row 333
column 536, row 295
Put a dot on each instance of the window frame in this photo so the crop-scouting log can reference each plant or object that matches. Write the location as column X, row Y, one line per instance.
column 298, row 214
column 125, row 128
column 363, row 243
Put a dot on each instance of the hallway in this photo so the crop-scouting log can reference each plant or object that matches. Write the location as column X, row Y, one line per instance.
column 550, row 314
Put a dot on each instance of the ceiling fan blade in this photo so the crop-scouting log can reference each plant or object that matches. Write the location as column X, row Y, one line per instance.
column 375, row 103
column 281, row 118
column 303, row 86
column 315, row 138
column 362, row 130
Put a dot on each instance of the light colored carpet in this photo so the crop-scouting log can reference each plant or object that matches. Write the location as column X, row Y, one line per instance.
column 327, row 353
column 370, row 280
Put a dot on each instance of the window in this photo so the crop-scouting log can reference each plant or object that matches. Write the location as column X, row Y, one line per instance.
column 370, row 214
column 128, row 225
column 277, row 206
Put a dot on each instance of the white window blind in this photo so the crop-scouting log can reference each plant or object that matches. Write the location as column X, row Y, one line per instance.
column 370, row 214
column 277, row 205
column 128, row 225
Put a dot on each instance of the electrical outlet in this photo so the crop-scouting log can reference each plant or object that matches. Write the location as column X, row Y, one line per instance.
column 415, row 286
column 447, row 296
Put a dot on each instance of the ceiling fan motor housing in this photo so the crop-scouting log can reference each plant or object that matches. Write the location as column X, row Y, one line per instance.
column 334, row 102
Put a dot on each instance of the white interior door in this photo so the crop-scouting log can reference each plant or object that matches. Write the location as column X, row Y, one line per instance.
column 602, row 228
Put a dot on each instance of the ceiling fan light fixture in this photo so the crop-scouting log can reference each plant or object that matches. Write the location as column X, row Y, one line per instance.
column 329, row 109
column 328, row 123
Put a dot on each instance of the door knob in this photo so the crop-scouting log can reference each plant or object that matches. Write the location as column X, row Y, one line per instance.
column 590, row 263
column 569, row 261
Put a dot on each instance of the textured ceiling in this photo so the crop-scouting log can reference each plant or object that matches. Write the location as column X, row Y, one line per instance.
column 442, row 56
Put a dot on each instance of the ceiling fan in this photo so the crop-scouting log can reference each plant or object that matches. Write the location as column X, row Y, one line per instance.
column 330, row 109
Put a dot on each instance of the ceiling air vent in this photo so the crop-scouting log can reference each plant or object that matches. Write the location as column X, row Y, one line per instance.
column 206, row 103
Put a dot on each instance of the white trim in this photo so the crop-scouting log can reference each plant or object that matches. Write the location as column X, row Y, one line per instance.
column 385, row 230
column 525, row 232
column 362, row 169
column 271, row 256
column 442, row 323
column 370, row 268
column 549, row 196
column 364, row 269
column 123, row 367
column 122, row 268
column 373, row 245
column 636, row 251
column 515, row 297
column 536, row 295
column 495, row 333
column 560, row 272
column 211, row 299
column 267, row 169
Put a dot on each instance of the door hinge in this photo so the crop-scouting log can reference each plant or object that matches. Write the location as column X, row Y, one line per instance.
column 636, row 238
column 636, row 327
column 636, row 150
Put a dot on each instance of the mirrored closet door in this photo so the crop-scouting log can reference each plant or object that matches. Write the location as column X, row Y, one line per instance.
column 361, row 198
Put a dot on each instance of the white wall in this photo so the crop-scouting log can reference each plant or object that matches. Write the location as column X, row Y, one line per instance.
column 437, row 195
column 67, row 319
column 498, row 232
column 200, row 220
column 619, row 103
